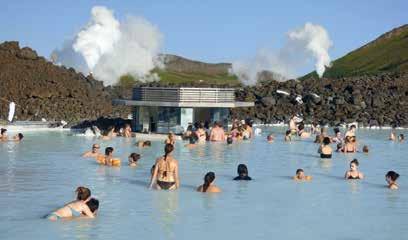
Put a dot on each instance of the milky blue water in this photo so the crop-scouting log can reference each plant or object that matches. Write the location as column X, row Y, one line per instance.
column 41, row 174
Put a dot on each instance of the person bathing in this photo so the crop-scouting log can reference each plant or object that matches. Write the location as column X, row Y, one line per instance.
column 208, row 186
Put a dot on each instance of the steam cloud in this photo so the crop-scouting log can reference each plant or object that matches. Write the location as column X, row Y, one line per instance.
column 112, row 49
column 310, row 41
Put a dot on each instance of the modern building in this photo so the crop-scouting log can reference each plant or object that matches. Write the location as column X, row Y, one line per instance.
column 164, row 110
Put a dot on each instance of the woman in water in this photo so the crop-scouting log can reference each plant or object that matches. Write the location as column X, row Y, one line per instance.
column 201, row 133
column 127, row 131
column 338, row 138
column 325, row 150
column 165, row 175
column 353, row 173
column 3, row 134
column 401, row 137
column 270, row 138
column 208, row 184
column 75, row 208
column 242, row 173
column 302, row 132
column 18, row 137
column 349, row 146
column 171, row 139
column 133, row 159
column 391, row 178
column 300, row 176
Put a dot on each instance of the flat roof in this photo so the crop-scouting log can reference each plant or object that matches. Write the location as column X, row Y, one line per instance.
column 125, row 102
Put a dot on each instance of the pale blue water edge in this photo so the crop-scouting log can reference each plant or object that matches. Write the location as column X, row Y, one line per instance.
column 42, row 172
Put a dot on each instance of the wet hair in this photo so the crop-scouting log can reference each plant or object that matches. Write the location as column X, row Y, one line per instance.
column 83, row 193
column 208, row 179
column 229, row 140
column 336, row 130
column 392, row 175
column 301, row 126
column 299, row 171
column 134, row 156
column 20, row 136
column 326, row 141
column 168, row 148
column 108, row 150
column 352, row 126
column 3, row 130
column 147, row 143
column 288, row 132
column 402, row 137
column 242, row 170
column 365, row 148
column 193, row 139
column 355, row 161
column 269, row 137
column 93, row 204
column 190, row 127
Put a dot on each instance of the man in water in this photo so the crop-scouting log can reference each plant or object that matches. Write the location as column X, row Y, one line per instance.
column 217, row 133
column 94, row 152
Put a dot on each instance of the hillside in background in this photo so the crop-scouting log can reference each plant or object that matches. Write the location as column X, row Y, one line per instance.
column 387, row 53
column 179, row 70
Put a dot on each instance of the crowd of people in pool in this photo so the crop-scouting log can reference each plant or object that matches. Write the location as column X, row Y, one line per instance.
column 165, row 171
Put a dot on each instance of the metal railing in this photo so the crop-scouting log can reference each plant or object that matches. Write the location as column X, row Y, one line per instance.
column 160, row 94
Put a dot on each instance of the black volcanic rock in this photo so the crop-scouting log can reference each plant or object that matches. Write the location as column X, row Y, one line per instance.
column 379, row 99
column 41, row 89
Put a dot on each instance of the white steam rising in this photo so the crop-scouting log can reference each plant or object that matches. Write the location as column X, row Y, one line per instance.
column 112, row 49
column 310, row 41
column 98, row 37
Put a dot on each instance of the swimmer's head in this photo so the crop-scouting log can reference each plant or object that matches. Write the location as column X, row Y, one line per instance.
column 134, row 157
column 326, row 141
column 3, row 130
column 242, row 170
column 93, row 204
column 229, row 140
column 365, row 149
column 353, row 127
column 208, row 179
column 83, row 193
column 354, row 164
column 20, row 136
column 336, row 130
column 269, row 138
column 147, row 143
column 391, row 176
column 300, row 173
column 108, row 151
column 301, row 126
column 168, row 148
column 95, row 147
column 193, row 139
column 401, row 137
